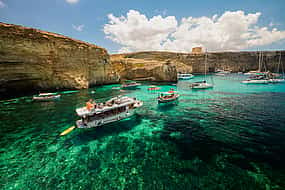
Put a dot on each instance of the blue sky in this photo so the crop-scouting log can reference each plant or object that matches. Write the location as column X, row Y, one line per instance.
column 62, row 17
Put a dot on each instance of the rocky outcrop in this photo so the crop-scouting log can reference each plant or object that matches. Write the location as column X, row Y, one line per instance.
column 32, row 60
column 143, row 69
column 194, row 62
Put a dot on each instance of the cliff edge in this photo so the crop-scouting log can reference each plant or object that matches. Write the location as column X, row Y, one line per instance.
column 32, row 60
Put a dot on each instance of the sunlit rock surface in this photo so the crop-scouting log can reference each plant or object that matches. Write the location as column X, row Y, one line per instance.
column 32, row 60
column 195, row 62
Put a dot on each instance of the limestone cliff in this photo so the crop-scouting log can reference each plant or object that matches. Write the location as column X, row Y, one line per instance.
column 194, row 63
column 136, row 68
column 32, row 60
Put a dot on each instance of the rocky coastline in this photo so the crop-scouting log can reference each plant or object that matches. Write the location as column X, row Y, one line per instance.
column 32, row 60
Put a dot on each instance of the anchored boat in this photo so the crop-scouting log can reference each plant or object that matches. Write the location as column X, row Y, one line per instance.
column 115, row 109
column 169, row 96
column 46, row 96
column 130, row 85
column 201, row 85
column 221, row 72
column 152, row 88
column 184, row 76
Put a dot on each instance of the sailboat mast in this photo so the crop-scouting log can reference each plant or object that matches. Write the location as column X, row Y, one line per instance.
column 281, row 65
column 205, row 64
column 259, row 60
column 278, row 67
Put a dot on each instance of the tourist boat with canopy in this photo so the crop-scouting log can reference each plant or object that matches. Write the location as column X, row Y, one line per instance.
column 115, row 109
column 46, row 96
column 130, row 85
column 184, row 76
column 169, row 96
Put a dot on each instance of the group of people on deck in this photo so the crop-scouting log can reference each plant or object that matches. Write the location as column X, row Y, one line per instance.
column 91, row 104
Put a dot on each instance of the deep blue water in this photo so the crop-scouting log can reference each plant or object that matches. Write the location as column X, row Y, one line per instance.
column 228, row 137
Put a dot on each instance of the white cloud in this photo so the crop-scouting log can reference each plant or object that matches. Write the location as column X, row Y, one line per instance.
column 72, row 1
column 78, row 28
column 230, row 31
column 2, row 4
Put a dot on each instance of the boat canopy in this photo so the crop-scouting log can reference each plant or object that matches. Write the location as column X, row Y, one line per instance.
column 117, row 103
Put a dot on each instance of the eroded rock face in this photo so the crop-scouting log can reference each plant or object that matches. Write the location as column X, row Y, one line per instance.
column 195, row 63
column 34, row 60
column 134, row 68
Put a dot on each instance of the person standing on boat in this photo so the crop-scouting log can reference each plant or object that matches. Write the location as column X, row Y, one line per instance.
column 90, row 105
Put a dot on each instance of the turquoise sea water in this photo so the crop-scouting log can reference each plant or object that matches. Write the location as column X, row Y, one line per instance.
column 228, row 137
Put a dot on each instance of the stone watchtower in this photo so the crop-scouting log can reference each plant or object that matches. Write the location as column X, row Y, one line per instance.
column 197, row 50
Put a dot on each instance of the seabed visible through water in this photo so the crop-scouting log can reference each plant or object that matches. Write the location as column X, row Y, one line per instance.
column 228, row 137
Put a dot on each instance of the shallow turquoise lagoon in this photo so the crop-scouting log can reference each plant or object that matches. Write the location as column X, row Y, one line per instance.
column 228, row 137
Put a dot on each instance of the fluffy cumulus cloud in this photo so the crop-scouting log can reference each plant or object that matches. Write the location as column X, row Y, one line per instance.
column 230, row 31
column 137, row 32
column 78, row 28
column 2, row 4
column 72, row 1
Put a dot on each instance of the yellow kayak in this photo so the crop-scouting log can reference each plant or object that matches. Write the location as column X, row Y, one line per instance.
column 67, row 131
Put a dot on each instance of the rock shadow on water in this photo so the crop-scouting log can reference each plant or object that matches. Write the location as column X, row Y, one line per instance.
column 87, row 135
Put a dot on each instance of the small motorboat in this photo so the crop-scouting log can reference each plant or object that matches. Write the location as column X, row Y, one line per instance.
column 201, row 85
column 169, row 96
column 184, row 76
column 46, row 96
column 222, row 72
column 130, row 85
column 152, row 88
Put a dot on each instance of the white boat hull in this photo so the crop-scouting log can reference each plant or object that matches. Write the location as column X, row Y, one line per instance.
column 203, row 86
column 277, row 80
column 106, row 120
column 184, row 78
column 46, row 98
column 256, row 81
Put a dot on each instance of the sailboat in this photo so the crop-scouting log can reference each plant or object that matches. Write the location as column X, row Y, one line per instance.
column 257, row 72
column 258, row 76
column 276, row 76
column 202, row 84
